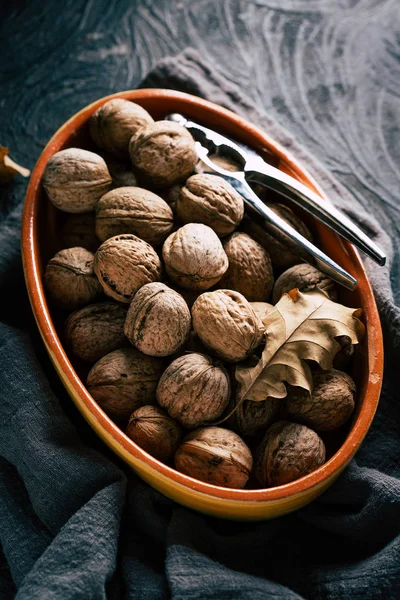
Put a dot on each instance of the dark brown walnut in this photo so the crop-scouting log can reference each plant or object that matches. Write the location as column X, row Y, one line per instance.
column 158, row 321
column 163, row 153
column 133, row 210
column 124, row 380
column 329, row 406
column 123, row 264
column 287, row 452
column 96, row 330
column 215, row 455
column 153, row 430
column 114, row 123
column 210, row 200
column 343, row 358
column 172, row 194
column 194, row 257
column 252, row 417
column 250, row 269
column 306, row 278
column 79, row 230
column 226, row 323
column 194, row 390
column 121, row 172
column 70, row 279
column 75, row 179
column 283, row 255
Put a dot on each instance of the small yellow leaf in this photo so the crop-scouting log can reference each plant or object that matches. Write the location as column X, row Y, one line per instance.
column 302, row 327
column 9, row 168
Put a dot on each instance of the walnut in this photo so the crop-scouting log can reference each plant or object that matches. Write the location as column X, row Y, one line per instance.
column 153, row 430
column 226, row 323
column 194, row 257
column 133, row 210
column 114, row 123
column 194, row 390
column 215, row 455
column 172, row 194
column 345, row 355
column 124, row 264
column 329, row 406
column 70, row 279
column 158, row 321
column 79, row 230
column 287, row 452
column 283, row 255
column 250, row 269
column 306, row 278
column 252, row 417
column 163, row 153
column 95, row 330
column 75, row 179
column 121, row 172
column 210, row 200
column 124, row 380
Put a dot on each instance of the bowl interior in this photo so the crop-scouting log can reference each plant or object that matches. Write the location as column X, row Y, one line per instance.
column 41, row 240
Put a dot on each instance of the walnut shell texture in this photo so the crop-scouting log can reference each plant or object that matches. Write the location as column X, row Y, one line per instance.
column 158, row 321
column 121, row 172
column 287, row 452
column 163, row 153
column 226, row 323
column 124, row 380
column 306, row 278
column 210, row 200
column 114, row 123
column 250, row 269
column 123, row 264
column 96, row 330
column 153, row 430
column 75, row 179
column 70, row 279
column 133, row 210
column 282, row 254
column 330, row 404
column 194, row 390
column 252, row 417
column 215, row 455
column 194, row 257
column 79, row 230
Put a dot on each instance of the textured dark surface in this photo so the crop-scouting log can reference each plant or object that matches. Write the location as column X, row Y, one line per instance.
column 329, row 72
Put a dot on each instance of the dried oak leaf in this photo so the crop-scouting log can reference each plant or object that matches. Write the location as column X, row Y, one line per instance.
column 9, row 168
column 302, row 327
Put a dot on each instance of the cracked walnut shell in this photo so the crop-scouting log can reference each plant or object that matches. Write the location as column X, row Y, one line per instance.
column 75, row 179
column 153, row 430
column 227, row 324
column 133, row 210
column 158, row 320
column 194, row 390
column 215, row 455
column 163, row 153
column 194, row 257
column 210, row 200
column 123, row 264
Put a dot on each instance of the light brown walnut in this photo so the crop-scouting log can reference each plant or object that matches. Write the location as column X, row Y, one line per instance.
column 114, row 123
column 96, row 330
column 287, row 452
column 306, row 278
column 153, row 430
column 215, row 455
column 226, row 323
column 158, row 321
column 70, row 279
column 210, row 200
column 124, row 380
column 123, row 264
column 163, row 153
column 250, row 269
column 194, row 257
column 75, row 179
column 133, row 210
column 194, row 390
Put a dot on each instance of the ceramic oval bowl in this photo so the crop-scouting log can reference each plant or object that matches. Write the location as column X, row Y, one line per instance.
column 40, row 234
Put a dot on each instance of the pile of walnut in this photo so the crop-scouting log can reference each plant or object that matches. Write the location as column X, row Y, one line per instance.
column 167, row 280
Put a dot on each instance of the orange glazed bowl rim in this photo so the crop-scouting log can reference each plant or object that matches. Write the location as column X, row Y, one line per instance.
column 204, row 110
